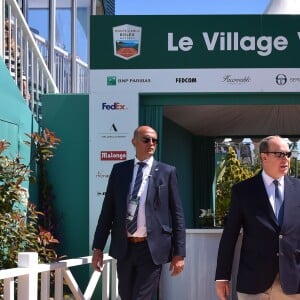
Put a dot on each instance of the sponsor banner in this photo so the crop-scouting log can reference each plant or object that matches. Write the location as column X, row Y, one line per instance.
column 132, row 55
column 113, row 118
column 114, row 108
column 193, row 80
column 195, row 41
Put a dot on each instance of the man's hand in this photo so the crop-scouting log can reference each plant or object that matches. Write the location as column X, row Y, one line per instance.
column 176, row 265
column 223, row 289
column 97, row 260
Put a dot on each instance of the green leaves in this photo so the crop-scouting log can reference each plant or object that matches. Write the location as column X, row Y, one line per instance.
column 19, row 219
column 45, row 143
column 232, row 171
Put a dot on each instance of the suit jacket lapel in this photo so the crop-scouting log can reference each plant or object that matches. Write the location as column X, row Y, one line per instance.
column 154, row 168
column 290, row 194
column 129, row 170
column 126, row 175
column 288, row 190
column 264, row 199
column 152, row 182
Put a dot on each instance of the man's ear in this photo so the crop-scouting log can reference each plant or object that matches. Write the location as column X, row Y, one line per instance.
column 133, row 142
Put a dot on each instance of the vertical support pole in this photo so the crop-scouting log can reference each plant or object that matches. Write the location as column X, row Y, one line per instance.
column 114, row 281
column 59, row 289
column 106, row 281
column 2, row 21
column 294, row 150
column 52, row 38
column 28, row 284
column 45, row 285
column 74, row 71
column 9, row 288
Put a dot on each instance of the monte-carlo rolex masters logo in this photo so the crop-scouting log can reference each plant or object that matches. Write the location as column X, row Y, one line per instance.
column 127, row 41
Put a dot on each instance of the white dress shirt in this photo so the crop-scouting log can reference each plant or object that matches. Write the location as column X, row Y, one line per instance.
column 270, row 187
column 141, row 219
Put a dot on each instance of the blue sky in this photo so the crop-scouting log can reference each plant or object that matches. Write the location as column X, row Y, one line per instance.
column 188, row 7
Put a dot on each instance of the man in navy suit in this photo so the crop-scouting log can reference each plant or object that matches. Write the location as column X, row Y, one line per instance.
column 269, row 266
column 160, row 234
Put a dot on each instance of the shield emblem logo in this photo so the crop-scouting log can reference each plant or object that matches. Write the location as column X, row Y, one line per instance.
column 127, row 41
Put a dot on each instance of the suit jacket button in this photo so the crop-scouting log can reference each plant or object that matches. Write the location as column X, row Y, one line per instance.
column 280, row 236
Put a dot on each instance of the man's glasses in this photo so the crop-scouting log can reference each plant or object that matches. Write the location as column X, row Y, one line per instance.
column 281, row 154
column 147, row 140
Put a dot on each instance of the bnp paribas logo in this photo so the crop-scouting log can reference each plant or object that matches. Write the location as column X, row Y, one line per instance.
column 127, row 41
column 111, row 80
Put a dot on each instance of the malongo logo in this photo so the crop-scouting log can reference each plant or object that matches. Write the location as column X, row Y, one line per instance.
column 113, row 155
column 230, row 41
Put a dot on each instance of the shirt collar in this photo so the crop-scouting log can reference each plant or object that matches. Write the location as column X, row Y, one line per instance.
column 148, row 161
column 269, row 180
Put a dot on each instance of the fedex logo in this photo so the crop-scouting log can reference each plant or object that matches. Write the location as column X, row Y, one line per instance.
column 114, row 106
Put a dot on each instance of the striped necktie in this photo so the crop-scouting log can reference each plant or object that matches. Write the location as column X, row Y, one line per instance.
column 132, row 225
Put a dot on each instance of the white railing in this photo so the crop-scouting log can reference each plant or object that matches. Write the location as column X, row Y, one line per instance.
column 26, row 55
column 29, row 271
column 62, row 68
column 23, row 57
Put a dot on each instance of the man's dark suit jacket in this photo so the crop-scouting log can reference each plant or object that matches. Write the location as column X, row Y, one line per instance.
column 266, row 248
column 164, row 214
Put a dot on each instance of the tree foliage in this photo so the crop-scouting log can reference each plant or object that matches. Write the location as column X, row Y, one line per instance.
column 231, row 171
column 20, row 226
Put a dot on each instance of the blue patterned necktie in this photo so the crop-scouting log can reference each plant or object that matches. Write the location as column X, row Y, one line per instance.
column 278, row 203
column 132, row 225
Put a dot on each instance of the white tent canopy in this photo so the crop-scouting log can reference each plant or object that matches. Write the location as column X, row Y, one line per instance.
column 283, row 7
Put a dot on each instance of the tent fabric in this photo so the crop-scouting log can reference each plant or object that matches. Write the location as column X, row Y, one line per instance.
column 283, row 7
column 237, row 120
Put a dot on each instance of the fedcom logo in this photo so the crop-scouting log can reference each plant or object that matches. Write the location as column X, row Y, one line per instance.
column 114, row 106
column 186, row 80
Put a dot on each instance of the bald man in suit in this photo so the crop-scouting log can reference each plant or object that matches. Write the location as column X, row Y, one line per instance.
column 160, row 234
